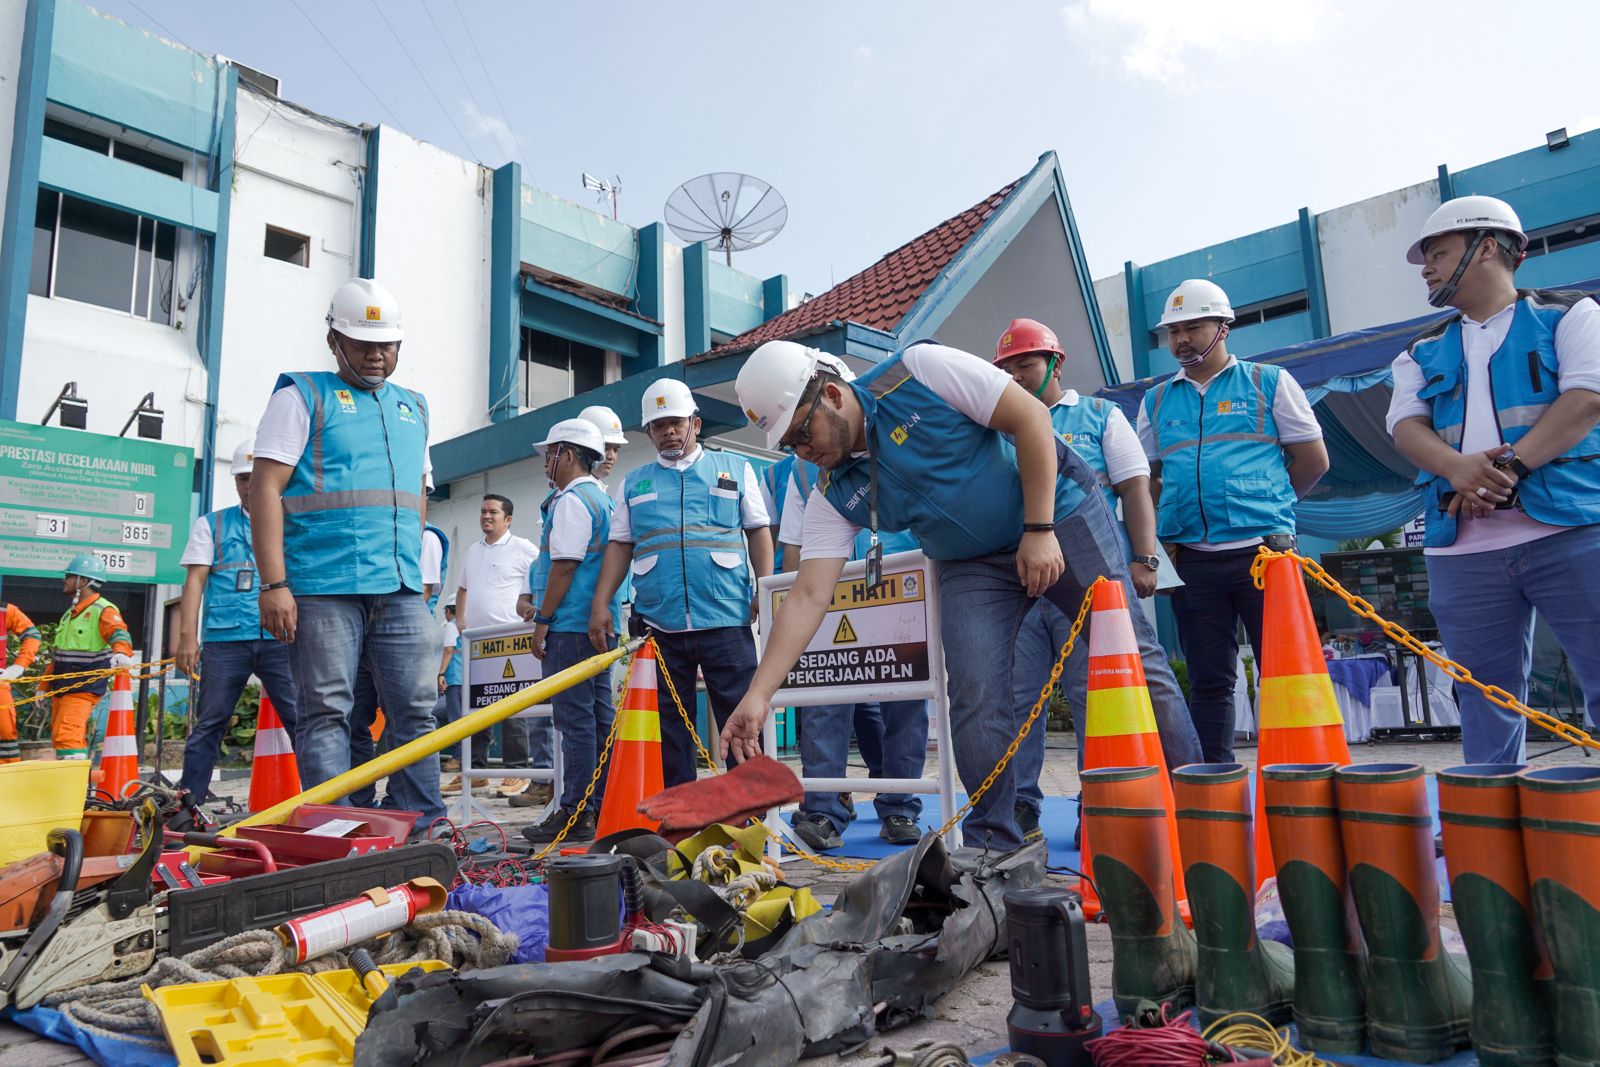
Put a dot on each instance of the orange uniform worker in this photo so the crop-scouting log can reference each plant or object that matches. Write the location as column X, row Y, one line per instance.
column 15, row 623
column 91, row 636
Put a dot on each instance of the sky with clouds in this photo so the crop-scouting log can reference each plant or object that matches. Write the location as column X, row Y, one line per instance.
column 1177, row 124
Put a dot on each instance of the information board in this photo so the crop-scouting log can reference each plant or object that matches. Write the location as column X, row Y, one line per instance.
column 500, row 664
column 873, row 644
column 64, row 492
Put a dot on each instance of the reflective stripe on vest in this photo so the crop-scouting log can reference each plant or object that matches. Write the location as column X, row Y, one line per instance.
column 952, row 483
column 1223, row 475
column 1523, row 383
column 231, row 613
column 353, row 505
column 572, row 614
column 79, row 647
column 690, row 566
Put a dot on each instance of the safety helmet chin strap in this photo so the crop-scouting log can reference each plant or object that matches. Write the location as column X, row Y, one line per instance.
column 1443, row 294
column 1195, row 361
column 365, row 381
column 1049, row 372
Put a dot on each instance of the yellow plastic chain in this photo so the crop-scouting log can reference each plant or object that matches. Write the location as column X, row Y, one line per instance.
column 1402, row 637
column 853, row 866
column 588, row 792
column 137, row 672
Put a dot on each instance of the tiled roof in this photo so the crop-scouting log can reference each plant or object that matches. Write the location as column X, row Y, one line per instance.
column 881, row 295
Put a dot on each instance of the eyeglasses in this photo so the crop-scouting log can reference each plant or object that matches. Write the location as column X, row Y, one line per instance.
column 801, row 434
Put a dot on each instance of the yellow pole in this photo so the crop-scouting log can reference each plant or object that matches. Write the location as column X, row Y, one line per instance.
column 389, row 762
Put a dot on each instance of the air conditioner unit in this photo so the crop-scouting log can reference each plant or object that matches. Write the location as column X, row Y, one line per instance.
column 254, row 78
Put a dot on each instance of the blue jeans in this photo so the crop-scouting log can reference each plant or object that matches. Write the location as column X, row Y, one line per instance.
column 1484, row 603
column 225, row 667
column 869, row 736
column 396, row 639
column 1217, row 594
column 982, row 607
column 825, row 752
column 448, row 710
column 1044, row 630
column 582, row 713
column 726, row 657
column 363, row 747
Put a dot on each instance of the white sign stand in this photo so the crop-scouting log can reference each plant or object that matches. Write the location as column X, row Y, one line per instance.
column 873, row 645
column 500, row 661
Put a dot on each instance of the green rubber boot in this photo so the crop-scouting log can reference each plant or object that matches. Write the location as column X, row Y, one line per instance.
column 1153, row 952
column 1419, row 997
column 1511, row 976
column 1236, row 971
column 1560, row 814
column 1330, row 996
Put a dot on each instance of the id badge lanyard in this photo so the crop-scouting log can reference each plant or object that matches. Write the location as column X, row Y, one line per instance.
column 874, row 548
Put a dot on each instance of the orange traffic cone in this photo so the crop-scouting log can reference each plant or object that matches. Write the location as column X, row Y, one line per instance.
column 635, row 771
column 1300, row 720
column 1120, row 726
column 119, row 757
column 274, row 772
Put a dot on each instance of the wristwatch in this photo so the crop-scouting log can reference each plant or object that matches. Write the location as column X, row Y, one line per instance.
column 1507, row 460
column 543, row 620
column 1151, row 561
column 270, row 586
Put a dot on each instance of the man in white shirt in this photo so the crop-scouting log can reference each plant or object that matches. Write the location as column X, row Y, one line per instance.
column 1099, row 432
column 692, row 527
column 942, row 444
column 1498, row 406
column 493, row 573
column 1232, row 445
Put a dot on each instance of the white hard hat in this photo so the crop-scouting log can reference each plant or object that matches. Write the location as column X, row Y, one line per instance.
column 243, row 460
column 667, row 398
column 363, row 310
column 575, row 432
column 1196, row 299
column 610, row 425
column 837, row 365
column 772, row 381
column 1471, row 213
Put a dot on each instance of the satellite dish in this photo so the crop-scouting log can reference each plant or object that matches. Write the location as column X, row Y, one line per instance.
column 731, row 211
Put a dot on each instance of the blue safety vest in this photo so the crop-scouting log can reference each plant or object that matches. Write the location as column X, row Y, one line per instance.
column 952, row 483
column 1223, row 477
column 352, row 511
column 1523, row 382
column 572, row 614
column 452, row 673
column 231, row 611
column 444, row 564
column 805, row 478
column 691, row 570
column 1082, row 427
column 775, row 479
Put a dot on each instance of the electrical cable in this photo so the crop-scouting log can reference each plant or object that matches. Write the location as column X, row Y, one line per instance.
column 1244, row 1030
column 1168, row 1043
column 426, row 84
column 494, row 131
column 348, row 65
column 488, row 76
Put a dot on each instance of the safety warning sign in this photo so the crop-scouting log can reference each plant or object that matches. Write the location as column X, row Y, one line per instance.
column 871, row 638
column 500, row 664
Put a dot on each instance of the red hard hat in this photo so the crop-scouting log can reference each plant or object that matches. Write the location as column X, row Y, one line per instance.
column 1024, row 336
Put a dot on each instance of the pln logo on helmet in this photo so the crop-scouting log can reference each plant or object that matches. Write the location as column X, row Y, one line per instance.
column 1177, row 301
column 374, row 313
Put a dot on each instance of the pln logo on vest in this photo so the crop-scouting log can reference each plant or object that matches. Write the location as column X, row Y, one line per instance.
column 1224, row 407
column 1067, row 438
column 407, row 412
column 347, row 401
column 899, row 434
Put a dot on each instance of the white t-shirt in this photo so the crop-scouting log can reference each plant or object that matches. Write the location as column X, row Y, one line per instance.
column 201, row 548
column 448, row 635
column 1577, row 367
column 752, row 507
column 570, row 523
column 1119, row 444
column 1290, row 410
column 286, row 428
column 967, row 383
column 493, row 576
column 432, row 556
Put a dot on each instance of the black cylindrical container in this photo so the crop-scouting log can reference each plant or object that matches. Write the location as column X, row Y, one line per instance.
column 584, row 916
column 1054, row 1015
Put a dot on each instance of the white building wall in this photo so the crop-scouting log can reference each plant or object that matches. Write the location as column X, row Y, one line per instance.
column 1112, row 295
column 672, row 300
column 1364, row 266
column 12, row 16
column 434, row 223
column 299, row 173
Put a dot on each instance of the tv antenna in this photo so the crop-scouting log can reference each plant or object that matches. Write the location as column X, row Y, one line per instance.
column 604, row 189
column 732, row 211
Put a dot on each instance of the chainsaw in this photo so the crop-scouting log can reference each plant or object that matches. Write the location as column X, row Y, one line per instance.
column 67, row 920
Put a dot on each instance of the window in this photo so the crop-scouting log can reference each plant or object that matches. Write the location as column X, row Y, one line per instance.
column 101, row 255
column 1251, row 314
column 290, row 247
column 555, row 368
column 57, row 130
column 1564, row 235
